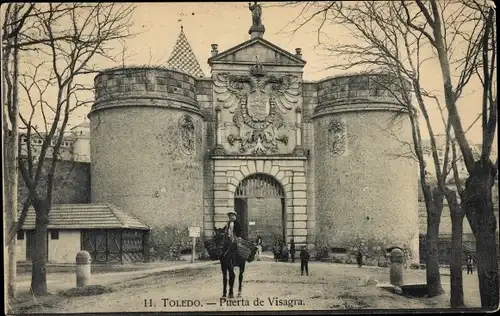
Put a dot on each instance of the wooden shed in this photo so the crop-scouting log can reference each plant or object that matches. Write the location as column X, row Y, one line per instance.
column 109, row 234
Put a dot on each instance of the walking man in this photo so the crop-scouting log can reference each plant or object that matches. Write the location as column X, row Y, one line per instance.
column 469, row 264
column 292, row 250
column 304, row 261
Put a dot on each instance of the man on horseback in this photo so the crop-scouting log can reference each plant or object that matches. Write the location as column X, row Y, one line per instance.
column 233, row 230
column 229, row 258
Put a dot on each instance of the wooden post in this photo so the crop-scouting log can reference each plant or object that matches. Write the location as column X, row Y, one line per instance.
column 107, row 245
column 121, row 245
column 145, row 245
column 193, row 252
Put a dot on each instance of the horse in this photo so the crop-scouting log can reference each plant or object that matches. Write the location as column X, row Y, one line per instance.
column 229, row 258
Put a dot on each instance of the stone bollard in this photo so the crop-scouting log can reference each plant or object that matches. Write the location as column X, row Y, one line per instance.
column 82, row 269
column 397, row 267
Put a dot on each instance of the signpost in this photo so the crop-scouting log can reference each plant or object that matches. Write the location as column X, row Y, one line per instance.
column 194, row 232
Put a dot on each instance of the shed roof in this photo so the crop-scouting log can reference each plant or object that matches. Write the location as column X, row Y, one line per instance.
column 86, row 216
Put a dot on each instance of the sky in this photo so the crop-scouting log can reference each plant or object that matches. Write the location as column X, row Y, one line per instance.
column 226, row 23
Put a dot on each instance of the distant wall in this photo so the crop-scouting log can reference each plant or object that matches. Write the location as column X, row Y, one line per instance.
column 71, row 183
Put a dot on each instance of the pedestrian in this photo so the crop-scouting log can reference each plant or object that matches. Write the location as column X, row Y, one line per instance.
column 469, row 264
column 292, row 250
column 359, row 258
column 406, row 258
column 284, row 253
column 258, row 242
column 276, row 250
column 304, row 260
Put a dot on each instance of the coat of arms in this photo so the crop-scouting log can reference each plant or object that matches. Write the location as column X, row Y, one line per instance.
column 257, row 101
column 336, row 137
column 258, row 105
column 187, row 133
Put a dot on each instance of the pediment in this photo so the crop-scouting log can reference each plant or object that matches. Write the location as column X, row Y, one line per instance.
column 245, row 53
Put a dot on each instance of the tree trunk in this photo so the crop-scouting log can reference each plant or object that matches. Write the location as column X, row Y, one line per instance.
column 39, row 258
column 11, row 105
column 456, row 278
column 10, row 213
column 478, row 196
column 434, row 210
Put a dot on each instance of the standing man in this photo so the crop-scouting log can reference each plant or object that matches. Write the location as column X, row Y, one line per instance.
column 284, row 253
column 292, row 250
column 407, row 257
column 258, row 242
column 469, row 264
column 304, row 261
column 277, row 250
column 359, row 258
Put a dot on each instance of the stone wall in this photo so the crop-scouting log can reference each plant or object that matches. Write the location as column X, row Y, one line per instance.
column 366, row 195
column 124, row 83
column 309, row 102
column 147, row 149
column 290, row 173
column 204, row 97
column 71, row 183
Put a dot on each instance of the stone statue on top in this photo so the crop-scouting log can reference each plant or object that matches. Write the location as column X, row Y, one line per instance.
column 256, row 14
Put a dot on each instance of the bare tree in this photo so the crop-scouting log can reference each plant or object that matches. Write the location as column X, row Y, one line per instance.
column 390, row 36
column 15, row 16
column 429, row 20
column 384, row 44
column 457, row 218
column 60, row 42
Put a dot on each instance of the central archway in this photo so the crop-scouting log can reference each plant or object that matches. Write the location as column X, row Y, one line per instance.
column 259, row 202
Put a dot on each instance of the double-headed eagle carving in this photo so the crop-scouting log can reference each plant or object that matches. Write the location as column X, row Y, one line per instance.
column 259, row 102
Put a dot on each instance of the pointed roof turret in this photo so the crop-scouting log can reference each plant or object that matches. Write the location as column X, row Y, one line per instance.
column 183, row 58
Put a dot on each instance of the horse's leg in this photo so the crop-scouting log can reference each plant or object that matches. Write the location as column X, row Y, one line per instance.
column 231, row 280
column 223, row 266
column 240, row 277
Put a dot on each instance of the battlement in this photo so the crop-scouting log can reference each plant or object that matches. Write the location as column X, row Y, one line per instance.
column 360, row 92
column 144, row 86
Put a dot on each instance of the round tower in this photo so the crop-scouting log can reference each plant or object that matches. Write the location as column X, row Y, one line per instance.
column 366, row 179
column 146, row 146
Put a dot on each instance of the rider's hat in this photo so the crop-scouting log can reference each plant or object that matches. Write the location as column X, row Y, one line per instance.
column 231, row 212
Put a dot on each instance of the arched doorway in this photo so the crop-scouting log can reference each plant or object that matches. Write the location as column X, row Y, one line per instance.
column 259, row 202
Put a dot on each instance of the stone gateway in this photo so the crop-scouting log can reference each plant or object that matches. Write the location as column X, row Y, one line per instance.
column 320, row 162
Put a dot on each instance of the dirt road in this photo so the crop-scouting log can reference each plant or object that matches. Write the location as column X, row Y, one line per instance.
column 267, row 286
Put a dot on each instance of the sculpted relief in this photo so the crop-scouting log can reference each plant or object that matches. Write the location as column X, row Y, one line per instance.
column 337, row 139
column 187, row 134
column 258, row 104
